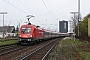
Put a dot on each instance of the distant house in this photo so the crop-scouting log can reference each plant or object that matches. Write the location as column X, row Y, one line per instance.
column 5, row 30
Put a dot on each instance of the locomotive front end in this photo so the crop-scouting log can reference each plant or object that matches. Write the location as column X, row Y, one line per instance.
column 25, row 35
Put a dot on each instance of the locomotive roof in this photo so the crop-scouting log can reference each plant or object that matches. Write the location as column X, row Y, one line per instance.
column 26, row 25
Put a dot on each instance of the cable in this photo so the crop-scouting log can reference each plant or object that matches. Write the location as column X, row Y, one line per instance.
column 47, row 9
column 59, row 8
column 64, row 6
column 15, row 7
column 25, row 6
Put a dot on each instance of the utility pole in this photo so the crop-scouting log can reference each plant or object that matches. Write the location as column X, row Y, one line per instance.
column 3, row 21
column 78, row 15
column 18, row 26
column 74, row 23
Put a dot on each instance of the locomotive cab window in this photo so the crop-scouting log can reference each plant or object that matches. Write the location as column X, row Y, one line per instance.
column 26, row 30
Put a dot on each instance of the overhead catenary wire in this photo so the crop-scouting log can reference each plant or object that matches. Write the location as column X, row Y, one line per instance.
column 44, row 4
column 15, row 7
column 28, row 9
column 64, row 6
column 51, row 9
column 58, row 8
column 47, row 9
column 26, row 6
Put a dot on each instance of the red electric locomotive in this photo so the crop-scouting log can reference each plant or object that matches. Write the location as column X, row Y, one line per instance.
column 30, row 33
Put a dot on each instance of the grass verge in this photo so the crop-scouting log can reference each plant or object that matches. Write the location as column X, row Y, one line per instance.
column 62, row 51
column 8, row 42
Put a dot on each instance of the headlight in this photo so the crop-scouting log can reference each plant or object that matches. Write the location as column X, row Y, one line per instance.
column 30, row 35
column 19, row 35
column 29, row 39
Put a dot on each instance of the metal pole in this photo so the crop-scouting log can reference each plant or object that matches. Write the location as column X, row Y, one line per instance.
column 19, row 26
column 74, row 28
column 3, row 26
column 3, row 21
column 78, row 15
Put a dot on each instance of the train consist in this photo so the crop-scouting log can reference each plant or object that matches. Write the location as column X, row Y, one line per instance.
column 30, row 34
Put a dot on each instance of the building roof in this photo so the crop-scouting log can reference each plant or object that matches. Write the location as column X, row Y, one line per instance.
column 6, row 28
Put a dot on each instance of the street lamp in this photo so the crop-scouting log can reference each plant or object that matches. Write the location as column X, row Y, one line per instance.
column 3, row 21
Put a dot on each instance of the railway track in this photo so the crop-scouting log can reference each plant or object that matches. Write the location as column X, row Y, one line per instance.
column 20, row 54
column 6, row 49
column 9, row 49
column 42, row 52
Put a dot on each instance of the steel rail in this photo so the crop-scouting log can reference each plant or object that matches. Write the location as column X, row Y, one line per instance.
column 35, row 51
column 7, row 47
column 11, row 51
column 49, row 51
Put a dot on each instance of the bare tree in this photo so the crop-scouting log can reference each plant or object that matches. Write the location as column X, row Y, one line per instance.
column 75, row 19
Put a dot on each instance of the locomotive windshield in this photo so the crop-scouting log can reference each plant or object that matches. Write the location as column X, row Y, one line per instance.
column 26, row 30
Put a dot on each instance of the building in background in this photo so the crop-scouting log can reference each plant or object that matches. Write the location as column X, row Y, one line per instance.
column 63, row 26
column 5, row 30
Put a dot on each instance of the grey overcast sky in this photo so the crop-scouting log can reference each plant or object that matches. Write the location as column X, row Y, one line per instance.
column 47, row 12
